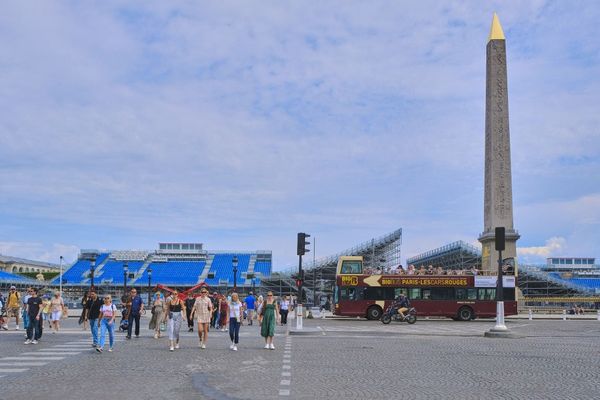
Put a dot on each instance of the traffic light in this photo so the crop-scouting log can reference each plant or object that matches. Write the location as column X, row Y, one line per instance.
column 302, row 243
column 298, row 282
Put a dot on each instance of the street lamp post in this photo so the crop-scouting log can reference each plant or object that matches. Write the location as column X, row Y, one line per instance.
column 234, row 261
column 92, row 269
column 61, row 278
column 149, row 284
column 125, row 271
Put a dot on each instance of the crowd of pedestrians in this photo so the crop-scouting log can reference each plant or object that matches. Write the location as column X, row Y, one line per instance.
column 32, row 309
column 422, row 270
column 168, row 313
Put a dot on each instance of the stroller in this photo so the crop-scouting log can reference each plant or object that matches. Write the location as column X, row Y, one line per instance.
column 124, row 324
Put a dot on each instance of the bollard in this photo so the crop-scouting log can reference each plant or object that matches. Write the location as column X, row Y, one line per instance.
column 598, row 315
column 530, row 314
column 564, row 315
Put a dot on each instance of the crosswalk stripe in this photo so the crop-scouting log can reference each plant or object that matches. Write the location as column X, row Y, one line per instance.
column 31, row 358
column 23, row 364
column 12, row 370
column 51, row 353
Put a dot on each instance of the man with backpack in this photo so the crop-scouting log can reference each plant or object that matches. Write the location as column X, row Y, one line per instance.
column 13, row 305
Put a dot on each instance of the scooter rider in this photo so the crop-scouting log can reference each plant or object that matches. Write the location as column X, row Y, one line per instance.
column 402, row 304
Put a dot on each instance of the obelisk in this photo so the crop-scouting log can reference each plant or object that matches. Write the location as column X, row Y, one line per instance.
column 498, row 209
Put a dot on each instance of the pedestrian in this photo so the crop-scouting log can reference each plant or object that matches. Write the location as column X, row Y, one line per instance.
column 82, row 320
column 223, row 313
column 34, row 311
column 202, row 310
column 284, row 307
column 57, row 306
column 24, row 315
column 106, row 322
column 250, row 304
column 214, row 323
column 189, row 306
column 236, row 308
column 174, row 312
column 46, row 311
column 158, row 310
column 91, row 313
column 3, row 322
column 135, row 308
column 269, row 317
column 13, row 306
column 258, row 306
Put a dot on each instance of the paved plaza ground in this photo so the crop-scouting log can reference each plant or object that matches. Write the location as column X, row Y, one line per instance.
column 348, row 359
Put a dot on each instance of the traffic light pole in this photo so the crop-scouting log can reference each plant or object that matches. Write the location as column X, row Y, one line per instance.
column 299, row 311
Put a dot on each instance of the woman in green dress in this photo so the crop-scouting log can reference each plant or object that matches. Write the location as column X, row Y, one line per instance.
column 269, row 316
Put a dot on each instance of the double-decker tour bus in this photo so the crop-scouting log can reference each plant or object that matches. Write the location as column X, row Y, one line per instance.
column 460, row 297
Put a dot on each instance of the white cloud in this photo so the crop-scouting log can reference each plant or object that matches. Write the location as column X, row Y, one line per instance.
column 40, row 251
column 554, row 246
column 226, row 121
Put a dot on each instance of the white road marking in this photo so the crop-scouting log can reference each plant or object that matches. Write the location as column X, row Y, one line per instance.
column 285, row 382
column 284, row 392
column 12, row 370
column 51, row 353
column 286, row 373
column 286, row 367
column 23, row 364
column 30, row 358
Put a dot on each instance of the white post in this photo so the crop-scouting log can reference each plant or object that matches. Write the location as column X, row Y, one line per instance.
column 60, row 283
column 598, row 315
column 530, row 314
column 564, row 317
column 299, row 316
column 500, row 326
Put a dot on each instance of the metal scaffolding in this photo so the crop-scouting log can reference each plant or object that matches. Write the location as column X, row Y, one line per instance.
column 456, row 255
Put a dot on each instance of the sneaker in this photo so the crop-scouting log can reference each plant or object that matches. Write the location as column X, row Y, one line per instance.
column 5, row 327
column 272, row 347
column 156, row 336
column 99, row 350
column 231, row 347
column 177, row 346
column 27, row 341
column 171, row 348
column 127, row 337
column 203, row 346
column 137, row 336
column 267, row 346
column 110, row 350
column 234, row 348
column 17, row 328
column 34, row 341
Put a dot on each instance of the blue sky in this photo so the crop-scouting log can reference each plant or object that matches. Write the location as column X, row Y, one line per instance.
column 239, row 124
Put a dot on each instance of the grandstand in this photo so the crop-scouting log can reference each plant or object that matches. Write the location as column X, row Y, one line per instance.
column 456, row 255
column 319, row 277
column 7, row 279
column 180, row 265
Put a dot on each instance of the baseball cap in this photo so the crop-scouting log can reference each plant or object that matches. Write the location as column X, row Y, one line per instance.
column 13, row 287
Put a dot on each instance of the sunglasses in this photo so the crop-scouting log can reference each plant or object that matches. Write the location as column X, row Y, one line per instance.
column 269, row 295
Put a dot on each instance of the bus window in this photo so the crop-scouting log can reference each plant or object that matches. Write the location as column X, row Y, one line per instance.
column 351, row 267
column 461, row 294
column 472, row 294
column 414, row 293
column 487, row 294
column 442, row 293
column 347, row 293
column 399, row 291
column 509, row 294
column 374, row 293
column 426, row 294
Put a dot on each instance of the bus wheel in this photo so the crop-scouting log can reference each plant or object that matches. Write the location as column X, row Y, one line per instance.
column 465, row 314
column 374, row 312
